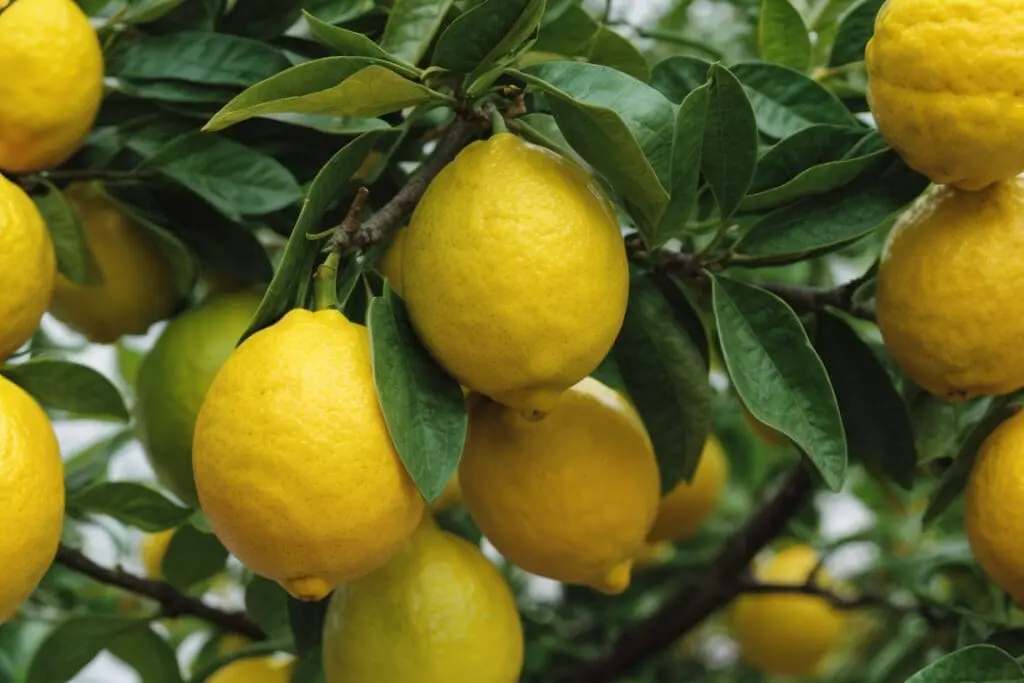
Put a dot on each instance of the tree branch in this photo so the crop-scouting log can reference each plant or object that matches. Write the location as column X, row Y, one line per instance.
column 752, row 587
column 719, row 584
column 173, row 603
column 812, row 299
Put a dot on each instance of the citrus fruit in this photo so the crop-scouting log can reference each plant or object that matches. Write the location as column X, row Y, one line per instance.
column 153, row 549
column 436, row 612
column 31, row 496
column 955, row 114
column 292, row 459
column 570, row 497
column 950, row 296
column 515, row 273
column 450, row 497
column 136, row 286
column 53, row 81
column 787, row 634
column 991, row 516
column 255, row 670
column 174, row 377
column 391, row 264
column 27, row 267
column 686, row 507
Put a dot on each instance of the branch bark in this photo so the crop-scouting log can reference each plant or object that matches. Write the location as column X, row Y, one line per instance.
column 720, row 583
column 173, row 603
column 810, row 299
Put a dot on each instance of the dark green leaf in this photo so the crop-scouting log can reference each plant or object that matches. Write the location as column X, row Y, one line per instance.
column 686, row 312
column 192, row 556
column 782, row 36
column 339, row 11
column 423, row 406
column 729, row 156
column 145, row 11
column 90, row 464
column 352, row 44
column 667, row 380
column 69, row 387
column 267, row 603
column 855, row 30
column 785, row 100
column 75, row 260
column 542, row 129
column 201, row 15
column 486, row 34
column 610, row 49
column 73, row 644
column 334, row 125
column 976, row 664
column 778, row 375
column 177, row 92
column 412, row 26
column 262, row 19
column 309, row 668
column 569, row 34
column 132, row 504
column 678, row 76
column 875, row 419
column 146, row 652
column 1009, row 640
column 307, row 622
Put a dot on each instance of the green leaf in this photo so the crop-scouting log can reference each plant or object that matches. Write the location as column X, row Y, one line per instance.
column 296, row 265
column 778, row 374
column 73, row 644
column 307, row 622
column 729, row 156
column 667, row 379
column 412, row 26
column 976, row 664
column 132, row 504
column 148, row 653
column 177, row 92
column 90, row 464
column 339, row 11
column 339, row 86
column 192, row 556
column 267, row 603
column 145, row 11
column 486, row 34
column 785, row 100
column 75, row 259
column 856, row 27
column 197, row 57
column 352, row 44
column 678, row 76
column 875, row 419
column 262, row 19
column 610, row 49
column 782, row 36
column 423, row 406
column 69, row 387
column 569, row 34
column 687, row 146
column 542, row 129
column 332, row 125
column 836, row 217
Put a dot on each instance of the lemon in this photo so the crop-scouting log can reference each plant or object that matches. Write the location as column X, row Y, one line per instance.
column 292, row 460
column 31, row 496
column 686, row 507
column 950, row 296
column 436, row 612
column 174, row 377
column 787, row 634
column 994, row 491
column 450, row 496
column 570, row 497
column 153, row 549
column 138, row 286
column 52, row 83
column 515, row 273
column 391, row 264
column 255, row 670
column 27, row 267
column 956, row 113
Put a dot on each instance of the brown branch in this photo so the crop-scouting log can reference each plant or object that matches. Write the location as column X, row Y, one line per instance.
column 812, row 299
column 749, row 586
column 173, row 603
column 719, row 584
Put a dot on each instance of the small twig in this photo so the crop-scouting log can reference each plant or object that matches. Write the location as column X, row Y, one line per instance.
column 355, row 212
column 749, row 586
column 31, row 180
column 810, row 299
column 173, row 603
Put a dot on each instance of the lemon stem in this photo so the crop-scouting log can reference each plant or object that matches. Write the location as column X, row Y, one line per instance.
column 497, row 121
column 325, row 283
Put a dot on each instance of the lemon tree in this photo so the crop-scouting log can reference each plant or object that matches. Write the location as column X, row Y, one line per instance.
column 511, row 341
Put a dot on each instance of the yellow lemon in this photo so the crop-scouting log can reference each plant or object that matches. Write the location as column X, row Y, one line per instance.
column 174, row 377
column 570, row 497
column 787, row 634
column 685, row 508
column 391, row 264
column 153, row 549
column 292, row 460
column 255, row 670
column 994, row 492
column 515, row 272
column 52, row 83
column 950, row 297
column 138, row 286
column 31, row 496
column 27, row 267
column 956, row 114
column 436, row 612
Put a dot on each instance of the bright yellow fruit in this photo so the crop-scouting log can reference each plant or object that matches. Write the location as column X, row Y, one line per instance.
column 787, row 634
column 153, row 549
column 391, row 264
column 27, row 267
column 52, row 83
column 175, row 376
column 31, row 496
column 515, row 273
column 686, row 507
column 255, row 670
column 570, row 497
column 993, row 517
column 138, row 287
column 292, row 460
column 950, row 299
column 437, row 612
column 955, row 113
